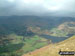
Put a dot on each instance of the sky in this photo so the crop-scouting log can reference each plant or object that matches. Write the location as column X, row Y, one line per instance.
column 37, row 7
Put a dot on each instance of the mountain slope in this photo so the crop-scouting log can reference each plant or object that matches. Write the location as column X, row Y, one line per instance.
column 64, row 30
column 53, row 49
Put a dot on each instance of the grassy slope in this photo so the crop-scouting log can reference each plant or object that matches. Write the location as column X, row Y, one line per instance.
column 53, row 49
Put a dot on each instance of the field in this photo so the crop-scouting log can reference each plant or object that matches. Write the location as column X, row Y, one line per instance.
column 20, row 45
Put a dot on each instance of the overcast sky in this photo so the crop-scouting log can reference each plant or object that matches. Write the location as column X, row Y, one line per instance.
column 37, row 7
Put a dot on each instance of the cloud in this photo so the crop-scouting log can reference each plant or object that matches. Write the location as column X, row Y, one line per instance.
column 37, row 7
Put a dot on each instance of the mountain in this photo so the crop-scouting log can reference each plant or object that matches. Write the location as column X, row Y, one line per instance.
column 53, row 49
column 23, row 34
column 20, row 24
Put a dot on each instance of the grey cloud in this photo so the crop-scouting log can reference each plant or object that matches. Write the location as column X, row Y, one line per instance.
column 18, row 8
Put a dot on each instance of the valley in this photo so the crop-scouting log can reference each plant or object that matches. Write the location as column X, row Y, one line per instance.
column 24, row 34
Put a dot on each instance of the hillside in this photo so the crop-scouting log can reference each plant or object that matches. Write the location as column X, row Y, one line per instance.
column 64, row 30
column 53, row 49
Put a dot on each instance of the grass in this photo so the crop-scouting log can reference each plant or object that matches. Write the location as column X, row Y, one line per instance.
column 19, row 46
column 33, row 43
column 58, row 33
